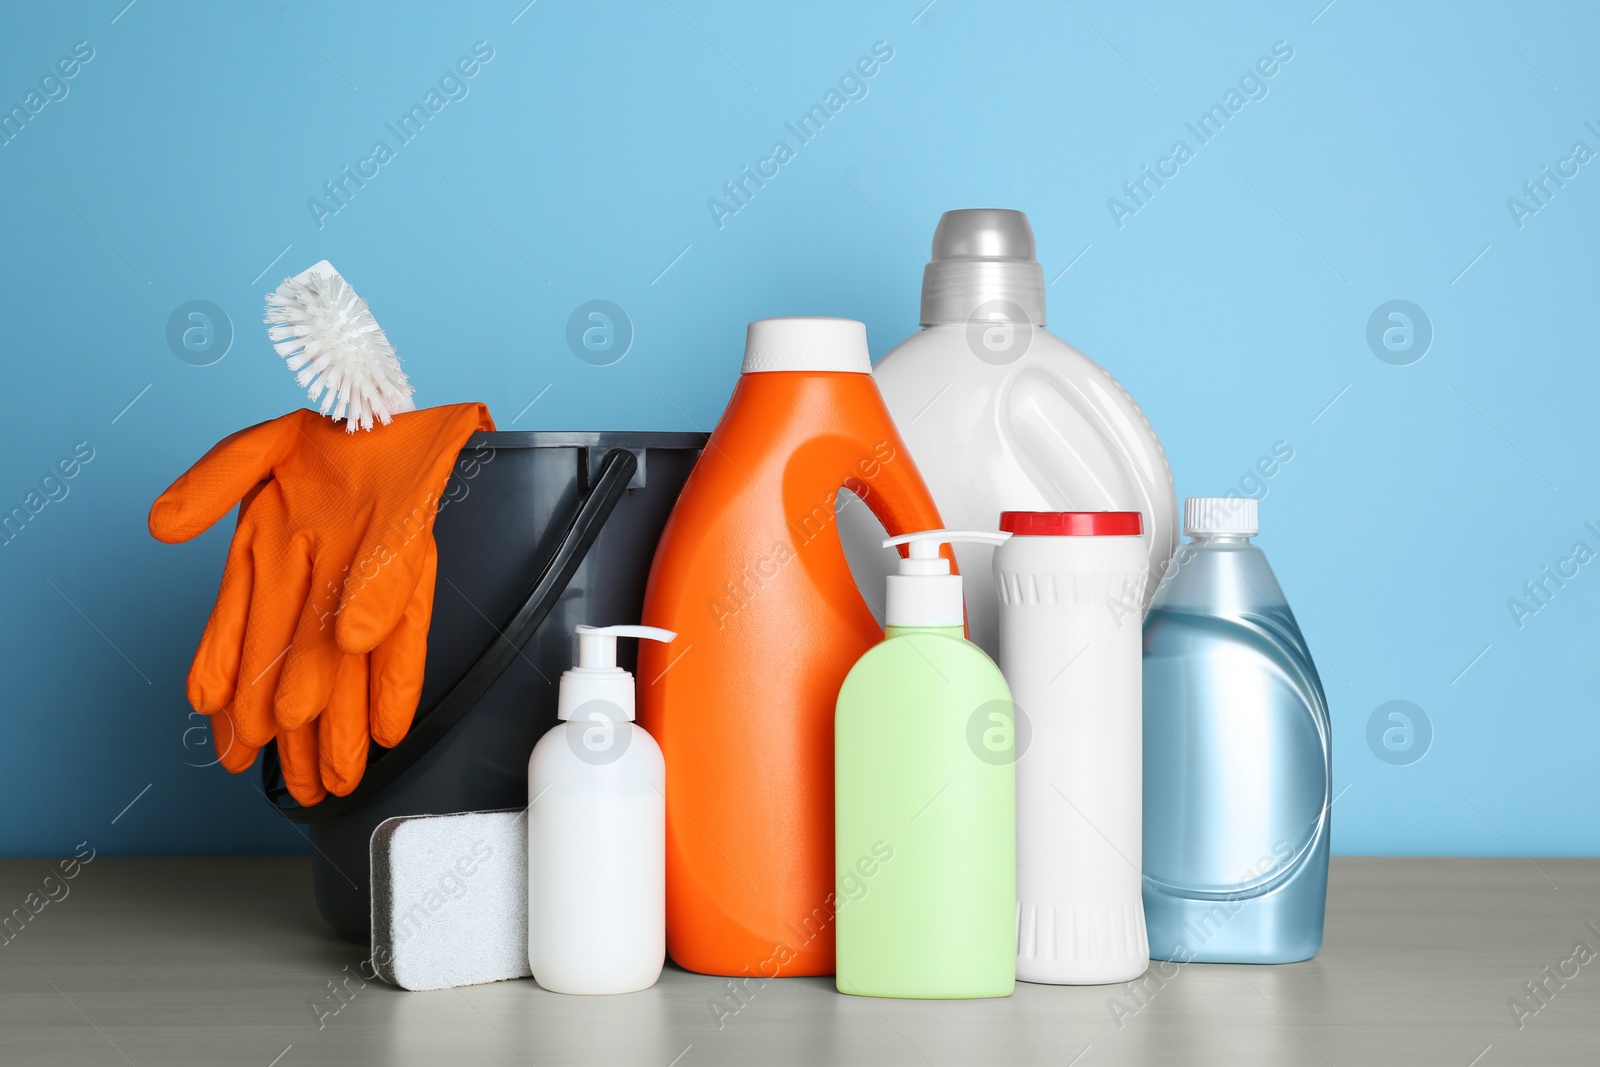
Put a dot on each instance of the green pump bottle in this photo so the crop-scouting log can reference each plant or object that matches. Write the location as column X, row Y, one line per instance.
column 925, row 799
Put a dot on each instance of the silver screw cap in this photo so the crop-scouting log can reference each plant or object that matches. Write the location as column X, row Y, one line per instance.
column 981, row 255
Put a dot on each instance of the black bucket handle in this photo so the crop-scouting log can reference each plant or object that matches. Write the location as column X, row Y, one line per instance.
column 429, row 727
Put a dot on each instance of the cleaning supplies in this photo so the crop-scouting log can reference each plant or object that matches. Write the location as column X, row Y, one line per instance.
column 1236, row 755
column 450, row 899
column 597, row 831
column 537, row 530
column 1001, row 414
column 1071, row 658
column 328, row 588
column 751, row 575
column 326, row 594
column 925, row 798
column 328, row 337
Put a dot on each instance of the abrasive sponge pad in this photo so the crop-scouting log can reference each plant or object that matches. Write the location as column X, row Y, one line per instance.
column 450, row 899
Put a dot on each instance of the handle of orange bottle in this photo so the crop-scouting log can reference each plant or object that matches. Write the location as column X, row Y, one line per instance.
column 892, row 488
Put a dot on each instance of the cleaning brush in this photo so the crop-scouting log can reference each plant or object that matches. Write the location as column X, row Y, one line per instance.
column 337, row 350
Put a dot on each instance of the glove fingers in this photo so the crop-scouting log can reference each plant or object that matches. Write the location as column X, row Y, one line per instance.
column 397, row 663
column 390, row 559
column 342, row 728
column 282, row 578
column 297, row 754
column 215, row 670
column 384, row 576
column 234, row 755
column 313, row 660
column 206, row 491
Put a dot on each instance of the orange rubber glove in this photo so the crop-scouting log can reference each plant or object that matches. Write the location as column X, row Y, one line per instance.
column 328, row 587
column 374, row 695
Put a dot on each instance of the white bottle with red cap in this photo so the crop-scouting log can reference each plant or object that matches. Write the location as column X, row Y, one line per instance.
column 1071, row 653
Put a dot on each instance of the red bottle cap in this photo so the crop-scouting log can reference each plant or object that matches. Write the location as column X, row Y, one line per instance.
column 1072, row 523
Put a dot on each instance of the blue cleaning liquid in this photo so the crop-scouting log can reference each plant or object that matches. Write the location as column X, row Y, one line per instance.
column 1237, row 765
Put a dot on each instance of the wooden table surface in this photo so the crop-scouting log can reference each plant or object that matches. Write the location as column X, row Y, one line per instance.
column 224, row 961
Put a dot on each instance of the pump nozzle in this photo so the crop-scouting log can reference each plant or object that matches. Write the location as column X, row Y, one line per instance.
column 596, row 675
column 597, row 645
column 925, row 593
column 925, row 546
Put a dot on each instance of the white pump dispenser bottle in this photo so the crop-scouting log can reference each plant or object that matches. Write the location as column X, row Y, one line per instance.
column 597, row 831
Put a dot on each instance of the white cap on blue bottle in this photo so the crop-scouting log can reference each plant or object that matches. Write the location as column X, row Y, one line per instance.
column 1226, row 516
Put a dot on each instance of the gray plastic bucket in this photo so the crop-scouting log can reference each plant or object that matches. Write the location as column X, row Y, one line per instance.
column 538, row 531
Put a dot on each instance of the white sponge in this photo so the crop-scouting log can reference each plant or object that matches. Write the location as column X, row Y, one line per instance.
column 450, row 899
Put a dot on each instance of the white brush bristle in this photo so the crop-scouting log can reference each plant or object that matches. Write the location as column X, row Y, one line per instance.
column 337, row 350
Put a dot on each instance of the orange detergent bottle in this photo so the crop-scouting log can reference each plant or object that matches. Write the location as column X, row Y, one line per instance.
column 751, row 575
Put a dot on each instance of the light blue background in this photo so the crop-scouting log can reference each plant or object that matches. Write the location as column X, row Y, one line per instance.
column 1233, row 306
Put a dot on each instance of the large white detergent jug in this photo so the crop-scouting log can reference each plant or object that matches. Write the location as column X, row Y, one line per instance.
column 1001, row 415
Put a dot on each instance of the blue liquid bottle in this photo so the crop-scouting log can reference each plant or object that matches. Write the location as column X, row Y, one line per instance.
column 1237, row 755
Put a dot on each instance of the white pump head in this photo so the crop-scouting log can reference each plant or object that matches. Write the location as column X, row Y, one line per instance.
column 925, row 593
column 597, row 676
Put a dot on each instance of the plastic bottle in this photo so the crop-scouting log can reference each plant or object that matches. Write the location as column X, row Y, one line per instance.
column 1236, row 757
column 751, row 575
column 925, row 791
column 1069, row 648
column 597, row 831
column 1000, row 414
